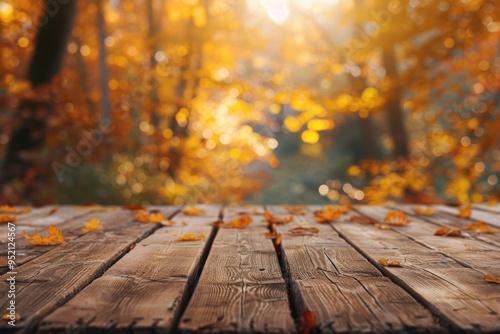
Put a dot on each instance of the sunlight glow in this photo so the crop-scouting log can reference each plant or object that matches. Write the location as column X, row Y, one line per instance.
column 279, row 10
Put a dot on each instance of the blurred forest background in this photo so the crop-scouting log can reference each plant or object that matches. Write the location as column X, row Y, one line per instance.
column 269, row 101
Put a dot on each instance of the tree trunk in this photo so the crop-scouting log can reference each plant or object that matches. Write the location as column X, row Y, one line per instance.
column 29, row 129
column 393, row 107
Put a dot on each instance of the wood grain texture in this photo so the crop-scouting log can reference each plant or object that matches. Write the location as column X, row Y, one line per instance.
column 345, row 291
column 435, row 278
column 241, row 288
column 145, row 289
column 476, row 215
column 52, row 278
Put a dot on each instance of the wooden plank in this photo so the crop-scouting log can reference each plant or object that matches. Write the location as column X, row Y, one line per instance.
column 495, row 208
column 444, row 219
column 345, row 292
column 437, row 280
column 144, row 290
column 241, row 288
column 476, row 215
column 54, row 277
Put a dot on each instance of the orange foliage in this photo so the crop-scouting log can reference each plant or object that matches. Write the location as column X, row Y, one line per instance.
column 92, row 225
column 7, row 219
column 271, row 219
column 55, row 237
column 240, row 222
column 448, row 232
column 396, row 218
column 329, row 214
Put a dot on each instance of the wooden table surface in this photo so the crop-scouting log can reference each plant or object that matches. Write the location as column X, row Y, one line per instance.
column 138, row 277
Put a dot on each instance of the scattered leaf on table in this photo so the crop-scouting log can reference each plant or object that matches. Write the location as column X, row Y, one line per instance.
column 428, row 211
column 92, row 225
column 52, row 211
column 154, row 217
column 14, row 210
column 190, row 237
column 307, row 322
column 55, row 237
column 277, row 241
column 168, row 222
column 448, row 232
column 257, row 212
column 192, row 211
column 482, row 227
column 270, row 235
column 7, row 219
column 277, row 220
column 10, row 317
column 298, row 210
column 304, row 230
column 396, row 218
column 386, row 263
column 464, row 211
column 240, row 222
column 134, row 207
column 329, row 214
column 363, row 220
column 383, row 226
column 492, row 279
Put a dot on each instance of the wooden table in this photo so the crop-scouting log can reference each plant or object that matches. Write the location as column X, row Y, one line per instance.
column 138, row 277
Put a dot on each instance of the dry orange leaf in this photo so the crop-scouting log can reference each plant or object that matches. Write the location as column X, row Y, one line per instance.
column 382, row 226
column 448, row 232
column 7, row 219
column 396, row 218
column 386, row 263
column 276, row 220
column 464, row 211
column 240, row 222
column 307, row 322
column 298, row 210
column 168, row 222
column 363, row 220
column 329, row 214
column 55, row 237
column 154, row 217
column 277, row 241
column 52, row 211
column 92, row 225
column 190, row 237
column 11, row 209
column 10, row 317
column 492, row 279
column 482, row 227
column 134, row 207
column 270, row 235
column 304, row 230
column 192, row 211
column 257, row 212
column 428, row 211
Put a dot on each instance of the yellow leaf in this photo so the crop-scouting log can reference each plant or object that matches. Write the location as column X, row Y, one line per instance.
column 329, row 214
column 424, row 211
column 92, row 225
column 396, row 218
column 190, row 237
column 7, row 219
column 240, row 222
column 155, row 217
column 464, row 211
column 192, row 211
column 277, row 220
column 55, row 237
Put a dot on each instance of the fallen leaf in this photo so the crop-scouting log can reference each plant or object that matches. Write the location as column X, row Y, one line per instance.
column 277, row 241
column 14, row 210
column 304, row 230
column 192, row 211
column 240, row 222
column 386, row 263
column 270, row 235
column 7, row 219
column 134, row 207
column 92, row 225
column 482, row 227
column 55, row 237
column 464, row 211
column 492, row 279
column 257, row 212
column 168, row 222
column 448, row 232
column 428, row 211
column 10, row 317
column 363, row 220
column 307, row 322
column 382, row 226
column 190, row 237
column 276, row 220
column 154, row 217
column 396, row 218
column 184, row 223
column 52, row 211
column 298, row 210
column 329, row 214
